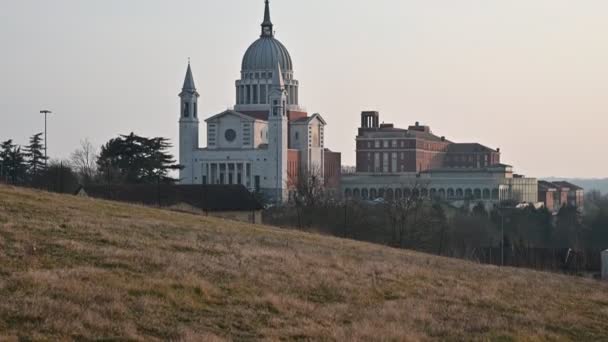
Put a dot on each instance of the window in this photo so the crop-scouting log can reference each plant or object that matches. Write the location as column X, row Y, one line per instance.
column 385, row 143
column 385, row 163
column 230, row 135
column 377, row 143
column 186, row 110
column 376, row 162
column 195, row 109
column 297, row 136
column 394, row 162
column 263, row 94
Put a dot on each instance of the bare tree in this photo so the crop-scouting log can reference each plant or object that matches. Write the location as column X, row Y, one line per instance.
column 308, row 190
column 404, row 211
column 84, row 161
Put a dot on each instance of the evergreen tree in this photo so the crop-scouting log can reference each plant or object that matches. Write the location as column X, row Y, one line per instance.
column 136, row 160
column 34, row 154
column 569, row 228
column 12, row 163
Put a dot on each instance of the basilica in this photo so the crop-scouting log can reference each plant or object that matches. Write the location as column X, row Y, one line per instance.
column 268, row 140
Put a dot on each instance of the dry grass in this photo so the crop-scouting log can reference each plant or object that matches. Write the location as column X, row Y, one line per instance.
column 73, row 268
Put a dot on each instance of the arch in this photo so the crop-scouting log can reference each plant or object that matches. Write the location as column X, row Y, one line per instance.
column 468, row 194
column 459, row 194
column 494, row 194
column 381, row 193
column 433, row 193
column 477, row 193
column 451, row 193
column 373, row 194
column 356, row 193
column 389, row 194
column 486, row 194
column 424, row 192
column 348, row 193
column 407, row 192
column 398, row 194
column 364, row 194
column 442, row 193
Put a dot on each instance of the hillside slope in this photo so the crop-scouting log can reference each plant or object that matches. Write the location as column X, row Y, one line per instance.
column 73, row 268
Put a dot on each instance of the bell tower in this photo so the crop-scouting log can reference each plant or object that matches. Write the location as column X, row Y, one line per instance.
column 188, row 128
column 278, row 135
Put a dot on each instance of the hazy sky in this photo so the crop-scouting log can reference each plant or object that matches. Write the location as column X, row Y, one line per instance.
column 528, row 76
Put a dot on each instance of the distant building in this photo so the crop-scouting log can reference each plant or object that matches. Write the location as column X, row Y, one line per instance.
column 226, row 201
column 392, row 162
column 555, row 195
column 268, row 139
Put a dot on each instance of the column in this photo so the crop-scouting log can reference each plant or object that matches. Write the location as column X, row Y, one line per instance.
column 236, row 171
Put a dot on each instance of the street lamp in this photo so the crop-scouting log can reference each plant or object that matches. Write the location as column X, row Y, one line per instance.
column 45, row 112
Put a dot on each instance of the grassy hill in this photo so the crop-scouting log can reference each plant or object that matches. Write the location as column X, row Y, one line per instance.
column 73, row 268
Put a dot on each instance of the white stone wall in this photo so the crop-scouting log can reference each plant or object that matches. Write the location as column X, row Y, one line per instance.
column 456, row 189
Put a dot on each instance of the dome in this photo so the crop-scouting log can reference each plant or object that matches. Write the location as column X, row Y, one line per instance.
column 265, row 53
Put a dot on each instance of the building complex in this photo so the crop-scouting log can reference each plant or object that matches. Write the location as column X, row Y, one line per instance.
column 267, row 141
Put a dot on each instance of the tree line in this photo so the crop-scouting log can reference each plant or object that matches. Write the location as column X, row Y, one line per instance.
column 126, row 159
column 506, row 233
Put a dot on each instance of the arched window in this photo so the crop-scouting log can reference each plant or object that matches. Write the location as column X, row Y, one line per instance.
column 348, row 193
column 389, row 194
column 442, row 194
column 477, row 193
column 373, row 194
column 381, row 193
column 468, row 194
column 186, row 110
column 451, row 193
column 364, row 194
column 398, row 194
column 486, row 193
column 459, row 194
column 356, row 193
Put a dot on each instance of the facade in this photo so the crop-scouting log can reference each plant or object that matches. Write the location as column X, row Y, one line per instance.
column 555, row 195
column 395, row 162
column 268, row 139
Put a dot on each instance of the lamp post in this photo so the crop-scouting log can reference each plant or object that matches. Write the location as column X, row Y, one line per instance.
column 45, row 112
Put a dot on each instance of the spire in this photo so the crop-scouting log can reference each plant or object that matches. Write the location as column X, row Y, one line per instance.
column 277, row 78
column 267, row 24
column 189, row 81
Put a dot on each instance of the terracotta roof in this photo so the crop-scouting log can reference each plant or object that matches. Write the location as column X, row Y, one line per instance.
column 205, row 197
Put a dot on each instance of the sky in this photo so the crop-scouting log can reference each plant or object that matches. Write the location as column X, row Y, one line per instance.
column 527, row 76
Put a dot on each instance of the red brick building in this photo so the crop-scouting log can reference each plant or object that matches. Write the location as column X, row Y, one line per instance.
column 555, row 195
column 382, row 148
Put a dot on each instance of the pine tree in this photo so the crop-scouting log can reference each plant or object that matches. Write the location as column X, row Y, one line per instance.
column 137, row 160
column 34, row 154
column 12, row 163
